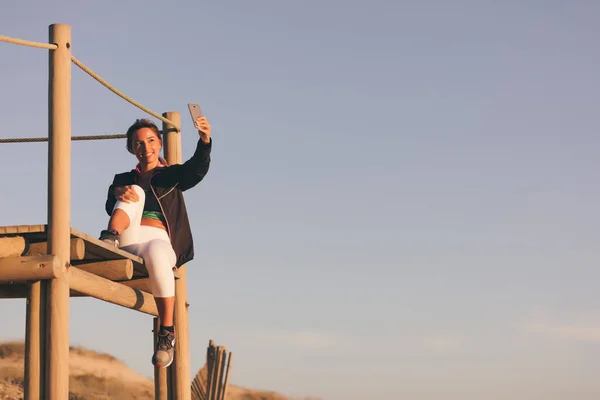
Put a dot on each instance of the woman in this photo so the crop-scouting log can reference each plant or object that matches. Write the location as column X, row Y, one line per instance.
column 149, row 217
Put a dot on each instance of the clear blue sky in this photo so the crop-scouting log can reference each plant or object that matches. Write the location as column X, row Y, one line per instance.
column 403, row 200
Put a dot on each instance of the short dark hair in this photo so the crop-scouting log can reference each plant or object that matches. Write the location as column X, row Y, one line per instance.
column 139, row 124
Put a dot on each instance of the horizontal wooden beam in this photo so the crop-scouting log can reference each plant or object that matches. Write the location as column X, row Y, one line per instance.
column 77, row 249
column 142, row 284
column 12, row 246
column 29, row 268
column 111, row 292
column 115, row 270
column 20, row 290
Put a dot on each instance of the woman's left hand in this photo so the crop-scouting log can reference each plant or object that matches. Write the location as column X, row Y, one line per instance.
column 203, row 129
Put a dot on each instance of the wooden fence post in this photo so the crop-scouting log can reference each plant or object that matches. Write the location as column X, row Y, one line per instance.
column 59, row 211
column 180, row 369
column 161, row 387
column 32, row 381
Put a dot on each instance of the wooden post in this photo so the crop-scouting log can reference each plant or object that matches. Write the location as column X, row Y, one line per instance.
column 216, row 382
column 43, row 324
column 172, row 139
column 180, row 370
column 161, row 388
column 59, row 211
column 222, row 361
column 31, row 387
column 211, row 355
column 226, row 381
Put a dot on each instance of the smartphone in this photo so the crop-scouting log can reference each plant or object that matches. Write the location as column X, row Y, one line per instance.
column 195, row 112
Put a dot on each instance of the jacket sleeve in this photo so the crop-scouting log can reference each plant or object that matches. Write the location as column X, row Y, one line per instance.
column 111, row 200
column 191, row 172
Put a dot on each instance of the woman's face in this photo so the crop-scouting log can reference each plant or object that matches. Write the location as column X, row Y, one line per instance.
column 146, row 146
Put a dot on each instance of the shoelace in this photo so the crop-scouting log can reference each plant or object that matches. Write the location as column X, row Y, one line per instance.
column 165, row 341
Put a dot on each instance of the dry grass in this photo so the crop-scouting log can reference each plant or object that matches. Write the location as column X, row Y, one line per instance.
column 12, row 350
column 88, row 387
column 93, row 376
column 97, row 376
column 247, row 394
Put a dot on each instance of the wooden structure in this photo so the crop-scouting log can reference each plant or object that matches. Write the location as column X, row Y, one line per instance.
column 212, row 380
column 49, row 263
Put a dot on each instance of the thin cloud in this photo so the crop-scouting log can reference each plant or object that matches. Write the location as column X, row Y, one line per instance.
column 306, row 339
column 442, row 343
column 573, row 332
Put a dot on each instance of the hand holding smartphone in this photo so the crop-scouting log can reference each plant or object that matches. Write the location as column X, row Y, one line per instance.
column 195, row 112
column 204, row 127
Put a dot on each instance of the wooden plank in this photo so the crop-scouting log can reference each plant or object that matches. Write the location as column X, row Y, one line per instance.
column 222, row 360
column 199, row 384
column 77, row 251
column 110, row 251
column 12, row 246
column 142, row 284
column 95, row 249
column 30, row 268
column 226, row 381
column 32, row 233
column 115, row 270
column 11, row 230
column 210, row 365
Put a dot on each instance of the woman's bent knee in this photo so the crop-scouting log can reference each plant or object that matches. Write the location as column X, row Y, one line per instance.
column 162, row 281
column 133, row 208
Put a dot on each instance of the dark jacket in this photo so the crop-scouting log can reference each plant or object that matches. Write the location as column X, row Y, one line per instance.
column 168, row 185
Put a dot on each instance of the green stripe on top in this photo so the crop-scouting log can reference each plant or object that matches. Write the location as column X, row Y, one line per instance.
column 153, row 215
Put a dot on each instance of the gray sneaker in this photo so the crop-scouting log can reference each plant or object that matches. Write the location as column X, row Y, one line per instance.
column 110, row 237
column 163, row 354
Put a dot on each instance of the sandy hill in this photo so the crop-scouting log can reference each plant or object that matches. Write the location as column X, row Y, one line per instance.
column 97, row 376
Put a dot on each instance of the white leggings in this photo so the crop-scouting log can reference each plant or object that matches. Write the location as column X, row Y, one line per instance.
column 150, row 243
